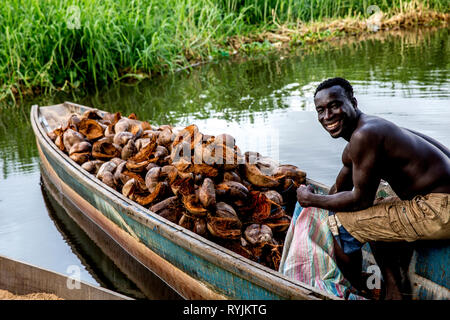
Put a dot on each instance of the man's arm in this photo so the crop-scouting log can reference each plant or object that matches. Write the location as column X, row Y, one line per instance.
column 363, row 154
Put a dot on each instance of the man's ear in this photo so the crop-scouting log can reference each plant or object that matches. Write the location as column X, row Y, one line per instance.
column 354, row 102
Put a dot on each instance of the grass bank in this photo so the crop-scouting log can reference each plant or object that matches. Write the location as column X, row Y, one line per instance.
column 55, row 45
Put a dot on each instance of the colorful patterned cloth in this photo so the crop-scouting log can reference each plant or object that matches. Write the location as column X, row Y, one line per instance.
column 308, row 254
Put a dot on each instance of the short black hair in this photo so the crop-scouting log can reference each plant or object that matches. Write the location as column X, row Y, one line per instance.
column 336, row 82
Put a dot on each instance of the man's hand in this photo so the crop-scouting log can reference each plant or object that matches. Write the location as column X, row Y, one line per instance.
column 303, row 195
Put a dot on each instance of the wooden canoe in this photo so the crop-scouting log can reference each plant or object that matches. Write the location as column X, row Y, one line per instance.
column 191, row 265
column 21, row 278
column 194, row 267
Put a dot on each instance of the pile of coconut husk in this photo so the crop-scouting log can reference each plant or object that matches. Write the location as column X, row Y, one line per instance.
column 198, row 181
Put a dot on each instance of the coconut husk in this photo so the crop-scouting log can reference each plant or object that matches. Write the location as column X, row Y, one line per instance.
column 145, row 153
column 257, row 234
column 127, row 175
column 205, row 170
column 207, row 194
column 279, row 225
column 232, row 189
column 81, row 157
column 157, row 194
column 137, row 166
column 193, row 205
column 90, row 128
column 183, row 186
column 104, row 149
column 169, row 172
column 257, row 207
column 111, row 118
column 92, row 166
column 257, row 178
column 292, row 172
column 71, row 137
column 225, row 228
column 169, row 209
column 93, row 114
column 189, row 134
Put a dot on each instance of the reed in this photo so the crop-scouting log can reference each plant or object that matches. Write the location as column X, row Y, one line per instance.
column 66, row 44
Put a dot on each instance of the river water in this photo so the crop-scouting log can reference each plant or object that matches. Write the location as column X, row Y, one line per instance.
column 266, row 103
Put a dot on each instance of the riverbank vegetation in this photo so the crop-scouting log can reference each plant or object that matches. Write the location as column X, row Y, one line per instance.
column 56, row 45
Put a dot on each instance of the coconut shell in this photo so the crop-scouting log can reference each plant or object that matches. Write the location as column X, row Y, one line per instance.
column 225, row 228
column 169, row 172
column 205, row 170
column 257, row 178
column 122, row 138
column 165, row 136
column 152, row 178
column 233, row 189
column 129, row 150
column 231, row 176
column 104, row 149
column 200, row 227
column 80, row 147
column 157, row 193
column 279, row 225
column 70, row 138
column 225, row 210
column 145, row 153
column 293, row 172
column 274, row 196
column 92, row 166
column 193, row 205
column 137, row 166
column 81, row 157
column 257, row 234
column 207, row 193
column 90, row 128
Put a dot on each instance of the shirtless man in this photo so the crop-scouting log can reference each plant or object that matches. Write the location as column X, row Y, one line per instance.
column 416, row 167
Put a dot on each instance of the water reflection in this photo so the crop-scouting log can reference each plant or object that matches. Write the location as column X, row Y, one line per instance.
column 99, row 266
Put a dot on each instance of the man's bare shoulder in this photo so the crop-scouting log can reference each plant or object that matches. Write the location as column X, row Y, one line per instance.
column 371, row 130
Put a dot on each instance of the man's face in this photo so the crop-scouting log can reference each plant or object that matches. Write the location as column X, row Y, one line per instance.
column 335, row 110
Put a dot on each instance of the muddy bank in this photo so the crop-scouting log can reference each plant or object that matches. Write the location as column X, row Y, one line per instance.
column 354, row 28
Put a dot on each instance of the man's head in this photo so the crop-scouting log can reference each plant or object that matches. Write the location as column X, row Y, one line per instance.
column 336, row 107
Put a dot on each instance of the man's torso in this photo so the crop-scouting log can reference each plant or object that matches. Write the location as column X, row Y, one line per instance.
column 409, row 163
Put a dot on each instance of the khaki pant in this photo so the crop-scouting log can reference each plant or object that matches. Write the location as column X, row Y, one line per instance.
column 422, row 218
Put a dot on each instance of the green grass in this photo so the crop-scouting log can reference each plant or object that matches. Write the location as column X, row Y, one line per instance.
column 43, row 47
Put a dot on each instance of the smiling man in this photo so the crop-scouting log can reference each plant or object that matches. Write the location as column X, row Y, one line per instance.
column 416, row 167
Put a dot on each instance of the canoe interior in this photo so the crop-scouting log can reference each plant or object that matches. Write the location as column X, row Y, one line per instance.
column 428, row 268
column 22, row 278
